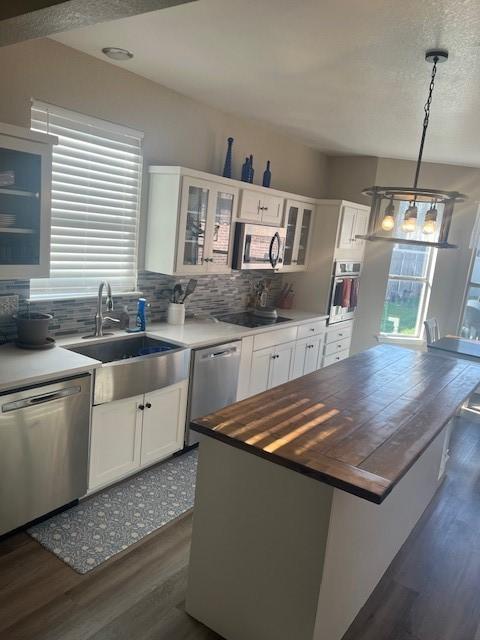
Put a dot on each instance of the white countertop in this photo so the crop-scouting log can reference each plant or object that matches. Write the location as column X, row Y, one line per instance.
column 20, row 367
column 205, row 332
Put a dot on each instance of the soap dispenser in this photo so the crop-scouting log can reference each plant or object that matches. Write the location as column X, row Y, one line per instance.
column 141, row 316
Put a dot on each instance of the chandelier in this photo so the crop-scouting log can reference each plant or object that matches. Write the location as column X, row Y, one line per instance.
column 411, row 215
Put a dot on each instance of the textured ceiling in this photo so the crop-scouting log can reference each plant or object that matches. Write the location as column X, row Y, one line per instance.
column 27, row 19
column 346, row 76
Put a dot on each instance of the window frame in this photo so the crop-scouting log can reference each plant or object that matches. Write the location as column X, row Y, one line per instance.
column 426, row 281
column 115, row 129
column 469, row 284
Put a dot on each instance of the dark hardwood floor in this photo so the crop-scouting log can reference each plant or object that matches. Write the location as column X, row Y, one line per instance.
column 430, row 592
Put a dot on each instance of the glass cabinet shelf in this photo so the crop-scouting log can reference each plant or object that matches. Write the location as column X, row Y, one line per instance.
column 19, row 192
column 16, row 230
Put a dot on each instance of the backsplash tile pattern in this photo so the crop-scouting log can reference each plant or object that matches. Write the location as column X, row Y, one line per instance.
column 214, row 294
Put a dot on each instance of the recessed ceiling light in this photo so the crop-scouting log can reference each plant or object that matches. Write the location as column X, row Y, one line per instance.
column 115, row 53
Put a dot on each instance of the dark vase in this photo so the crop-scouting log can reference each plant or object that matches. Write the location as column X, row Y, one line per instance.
column 227, row 167
column 251, row 170
column 267, row 175
column 246, row 171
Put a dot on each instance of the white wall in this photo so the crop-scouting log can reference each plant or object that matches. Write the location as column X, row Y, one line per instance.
column 178, row 130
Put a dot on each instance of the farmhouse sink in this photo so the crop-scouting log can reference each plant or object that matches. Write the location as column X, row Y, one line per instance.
column 134, row 365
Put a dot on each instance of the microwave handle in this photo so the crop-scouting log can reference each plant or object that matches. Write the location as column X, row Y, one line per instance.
column 274, row 261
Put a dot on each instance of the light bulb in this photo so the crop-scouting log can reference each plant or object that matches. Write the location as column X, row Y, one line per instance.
column 429, row 227
column 430, row 220
column 388, row 222
column 410, row 222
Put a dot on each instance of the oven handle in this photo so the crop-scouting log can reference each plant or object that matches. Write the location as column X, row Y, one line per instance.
column 274, row 261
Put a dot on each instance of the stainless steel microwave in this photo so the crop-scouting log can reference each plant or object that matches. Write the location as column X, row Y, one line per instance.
column 257, row 246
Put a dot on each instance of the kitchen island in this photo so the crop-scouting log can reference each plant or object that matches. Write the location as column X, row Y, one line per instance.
column 306, row 492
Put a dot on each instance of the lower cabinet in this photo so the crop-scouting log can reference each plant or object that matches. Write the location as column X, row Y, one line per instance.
column 135, row 432
column 271, row 367
column 307, row 357
column 163, row 423
column 337, row 342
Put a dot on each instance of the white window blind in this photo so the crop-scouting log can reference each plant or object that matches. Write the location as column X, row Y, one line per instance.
column 96, row 182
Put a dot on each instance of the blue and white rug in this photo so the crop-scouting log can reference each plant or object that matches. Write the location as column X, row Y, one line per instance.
column 113, row 519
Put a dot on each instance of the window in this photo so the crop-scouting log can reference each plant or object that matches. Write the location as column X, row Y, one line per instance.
column 408, row 289
column 96, row 181
column 470, row 325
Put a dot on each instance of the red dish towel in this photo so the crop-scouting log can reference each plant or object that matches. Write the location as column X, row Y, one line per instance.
column 346, row 292
column 354, row 293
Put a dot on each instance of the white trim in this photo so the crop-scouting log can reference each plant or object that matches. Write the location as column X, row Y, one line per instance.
column 86, row 119
column 83, row 296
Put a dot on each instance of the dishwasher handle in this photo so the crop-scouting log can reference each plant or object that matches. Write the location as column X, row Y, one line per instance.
column 219, row 354
column 33, row 401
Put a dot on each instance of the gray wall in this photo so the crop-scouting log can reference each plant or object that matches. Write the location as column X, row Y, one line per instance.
column 178, row 131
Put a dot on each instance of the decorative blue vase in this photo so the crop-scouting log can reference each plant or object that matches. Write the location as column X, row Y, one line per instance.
column 245, row 171
column 267, row 175
column 227, row 167
column 251, row 169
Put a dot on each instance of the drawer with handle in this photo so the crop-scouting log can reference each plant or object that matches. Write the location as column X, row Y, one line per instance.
column 334, row 357
column 339, row 333
column 335, row 347
column 311, row 329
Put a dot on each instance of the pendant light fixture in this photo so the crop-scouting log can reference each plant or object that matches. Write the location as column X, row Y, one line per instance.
column 411, row 215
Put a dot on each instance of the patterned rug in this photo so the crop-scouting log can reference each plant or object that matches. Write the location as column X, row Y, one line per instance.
column 113, row 519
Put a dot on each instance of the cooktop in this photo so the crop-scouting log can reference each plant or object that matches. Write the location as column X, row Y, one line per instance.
column 250, row 320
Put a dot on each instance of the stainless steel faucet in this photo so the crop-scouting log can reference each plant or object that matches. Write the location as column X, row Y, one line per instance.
column 99, row 318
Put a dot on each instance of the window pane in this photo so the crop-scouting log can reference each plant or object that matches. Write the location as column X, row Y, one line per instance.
column 408, row 260
column 401, row 308
column 471, row 317
column 476, row 269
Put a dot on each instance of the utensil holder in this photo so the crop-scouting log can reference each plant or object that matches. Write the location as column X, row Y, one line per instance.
column 176, row 313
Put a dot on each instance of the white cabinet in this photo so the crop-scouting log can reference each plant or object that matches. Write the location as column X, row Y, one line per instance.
column 115, row 440
column 135, row 432
column 354, row 221
column 163, row 423
column 361, row 227
column 274, row 357
column 338, row 339
column 271, row 367
column 259, row 207
column 190, row 224
column 308, row 356
column 298, row 222
column 25, row 202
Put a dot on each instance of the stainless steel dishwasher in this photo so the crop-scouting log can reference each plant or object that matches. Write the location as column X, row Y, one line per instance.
column 213, row 382
column 44, row 433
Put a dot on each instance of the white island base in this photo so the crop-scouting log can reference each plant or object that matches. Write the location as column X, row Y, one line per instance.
column 277, row 555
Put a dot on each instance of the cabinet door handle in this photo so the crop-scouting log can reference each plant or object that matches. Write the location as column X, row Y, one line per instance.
column 312, row 329
column 141, row 407
column 149, row 405
column 340, row 335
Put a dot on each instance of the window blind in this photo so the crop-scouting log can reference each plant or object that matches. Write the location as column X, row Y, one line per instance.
column 96, row 182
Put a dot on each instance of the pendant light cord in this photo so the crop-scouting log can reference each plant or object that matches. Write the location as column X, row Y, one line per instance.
column 425, row 120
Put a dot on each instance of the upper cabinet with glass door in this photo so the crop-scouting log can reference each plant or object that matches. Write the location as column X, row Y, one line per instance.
column 190, row 224
column 298, row 223
column 25, row 191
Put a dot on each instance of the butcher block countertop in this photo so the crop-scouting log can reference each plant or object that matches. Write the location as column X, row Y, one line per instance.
column 358, row 425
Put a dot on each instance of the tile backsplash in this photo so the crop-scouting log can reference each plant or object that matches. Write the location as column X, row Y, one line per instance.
column 214, row 294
